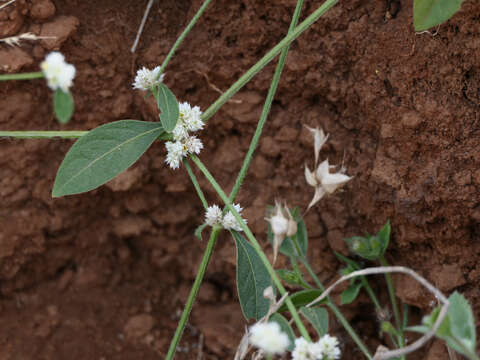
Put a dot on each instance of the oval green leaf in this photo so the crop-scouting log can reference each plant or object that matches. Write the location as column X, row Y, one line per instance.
column 350, row 293
column 302, row 298
column 63, row 106
column 318, row 317
column 285, row 327
column 168, row 105
column 102, row 154
column 429, row 13
column 252, row 279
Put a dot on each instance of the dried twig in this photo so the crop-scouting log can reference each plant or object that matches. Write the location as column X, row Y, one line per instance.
column 384, row 355
column 15, row 40
column 8, row 3
column 142, row 25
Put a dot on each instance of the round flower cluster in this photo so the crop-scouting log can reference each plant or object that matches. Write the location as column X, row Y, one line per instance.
column 269, row 338
column 58, row 73
column 324, row 349
column 189, row 121
column 146, row 79
column 213, row 216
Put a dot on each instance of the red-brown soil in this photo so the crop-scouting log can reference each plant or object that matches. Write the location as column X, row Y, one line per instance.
column 104, row 275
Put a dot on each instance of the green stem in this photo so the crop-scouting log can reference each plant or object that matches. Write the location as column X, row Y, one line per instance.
column 304, row 25
column 266, row 107
column 295, row 266
column 196, row 184
column 255, row 244
column 370, row 292
column 43, row 134
column 22, row 76
column 393, row 299
column 337, row 312
column 193, row 292
column 182, row 36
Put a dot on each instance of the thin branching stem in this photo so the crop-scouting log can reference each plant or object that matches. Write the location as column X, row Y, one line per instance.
column 304, row 25
column 338, row 314
column 384, row 355
column 196, row 185
column 182, row 36
column 254, row 243
column 42, row 134
column 266, row 107
column 22, row 76
column 193, row 292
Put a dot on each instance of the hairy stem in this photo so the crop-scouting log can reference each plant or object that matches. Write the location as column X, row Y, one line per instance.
column 193, row 292
column 393, row 299
column 22, row 76
column 255, row 245
column 43, row 134
column 266, row 107
column 196, row 185
column 304, row 25
column 182, row 36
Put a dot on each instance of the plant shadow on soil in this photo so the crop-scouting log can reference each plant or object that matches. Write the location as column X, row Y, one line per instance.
column 104, row 275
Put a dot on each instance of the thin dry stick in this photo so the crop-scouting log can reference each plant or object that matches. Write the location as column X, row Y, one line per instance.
column 142, row 25
column 397, row 269
column 8, row 3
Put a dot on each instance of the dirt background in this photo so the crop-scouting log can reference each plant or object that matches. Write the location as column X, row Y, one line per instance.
column 104, row 275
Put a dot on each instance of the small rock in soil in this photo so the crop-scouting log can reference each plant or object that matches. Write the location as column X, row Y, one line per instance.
column 138, row 326
column 61, row 29
column 42, row 9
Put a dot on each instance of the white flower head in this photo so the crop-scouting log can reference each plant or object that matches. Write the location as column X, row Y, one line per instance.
column 179, row 132
column 175, row 153
column 269, row 338
column 190, row 117
column 58, row 73
column 301, row 350
column 146, row 79
column 193, row 144
column 213, row 215
column 229, row 222
column 329, row 347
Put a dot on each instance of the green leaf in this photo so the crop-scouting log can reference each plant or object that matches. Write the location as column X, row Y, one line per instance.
column 302, row 298
column 102, row 154
column 383, row 236
column 199, row 230
column 318, row 317
column 350, row 293
column 429, row 13
column 252, row 279
column 168, row 105
column 285, row 327
column 353, row 264
column 388, row 328
column 462, row 325
column 63, row 106
column 292, row 278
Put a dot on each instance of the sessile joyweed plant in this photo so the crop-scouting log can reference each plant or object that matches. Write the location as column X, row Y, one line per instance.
column 102, row 153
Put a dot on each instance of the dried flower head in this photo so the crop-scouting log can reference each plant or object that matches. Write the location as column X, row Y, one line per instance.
column 321, row 179
column 146, row 79
column 58, row 73
column 283, row 225
column 269, row 338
